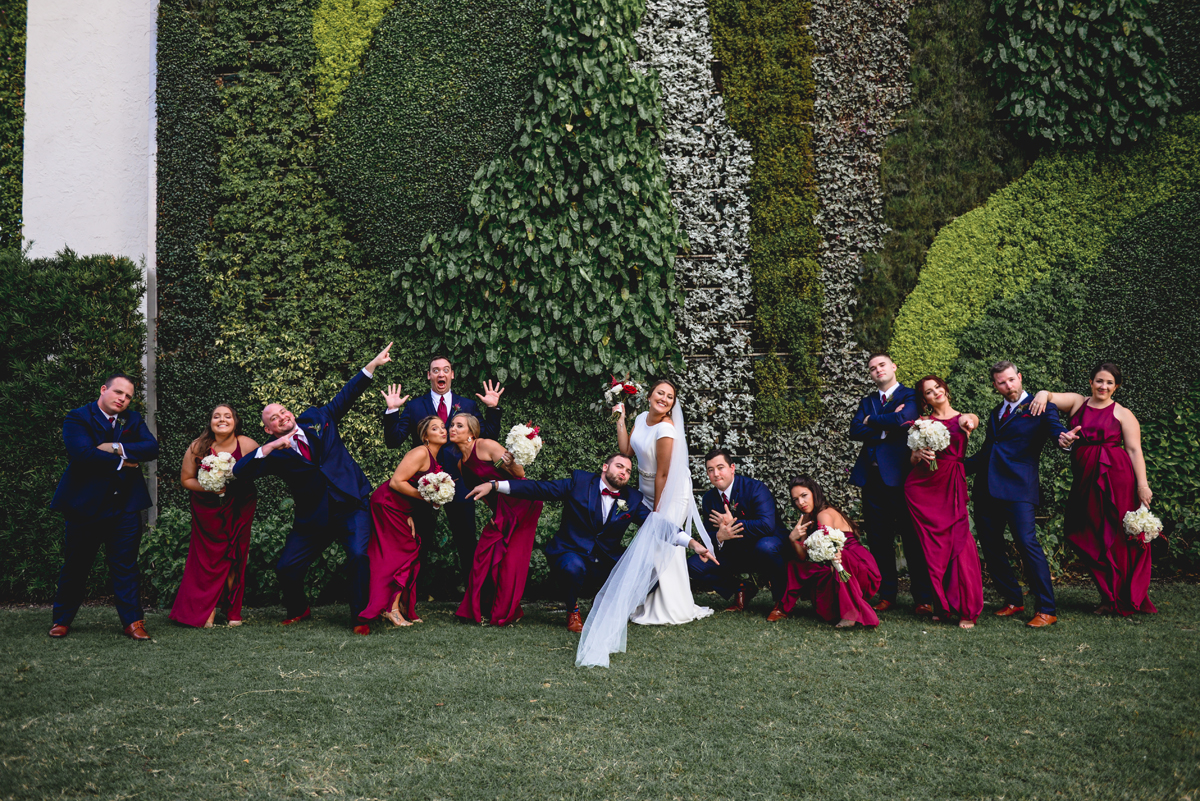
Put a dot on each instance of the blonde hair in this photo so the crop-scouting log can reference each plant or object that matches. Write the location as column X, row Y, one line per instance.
column 472, row 422
column 423, row 427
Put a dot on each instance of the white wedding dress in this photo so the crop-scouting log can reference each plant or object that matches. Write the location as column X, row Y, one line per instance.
column 655, row 554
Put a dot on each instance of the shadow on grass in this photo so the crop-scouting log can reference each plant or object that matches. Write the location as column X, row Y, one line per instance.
column 728, row 707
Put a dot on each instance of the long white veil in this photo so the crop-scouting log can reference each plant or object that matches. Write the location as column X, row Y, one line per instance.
column 635, row 573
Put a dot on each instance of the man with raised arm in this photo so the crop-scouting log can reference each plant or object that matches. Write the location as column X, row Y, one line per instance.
column 881, row 426
column 1006, row 493
column 330, row 491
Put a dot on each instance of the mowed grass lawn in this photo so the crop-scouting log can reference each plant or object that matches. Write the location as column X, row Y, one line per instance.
column 729, row 707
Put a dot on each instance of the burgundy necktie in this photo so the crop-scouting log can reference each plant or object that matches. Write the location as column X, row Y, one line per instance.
column 610, row 493
column 883, row 398
column 724, row 499
column 1004, row 416
column 304, row 451
column 442, row 408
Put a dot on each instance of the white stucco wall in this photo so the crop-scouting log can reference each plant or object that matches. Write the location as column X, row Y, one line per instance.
column 89, row 179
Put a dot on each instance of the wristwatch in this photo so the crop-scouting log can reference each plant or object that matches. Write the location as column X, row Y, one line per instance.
column 495, row 486
column 116, row 448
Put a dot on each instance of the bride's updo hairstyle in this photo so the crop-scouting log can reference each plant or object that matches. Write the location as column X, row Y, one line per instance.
column 659, row 382
column 472, row 422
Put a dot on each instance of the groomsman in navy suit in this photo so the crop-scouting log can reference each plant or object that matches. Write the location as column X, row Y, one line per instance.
column 1006, row 493
column 101, row 494
column 329, row 488
column 740, row 515
column 597, row 508
column 441, row 401
column 880, row 425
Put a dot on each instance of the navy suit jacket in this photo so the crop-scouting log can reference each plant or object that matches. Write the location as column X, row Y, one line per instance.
column 332, row 475
column 891, row 454
column 582, row 530
column 751, row 503
column 91, row 484
column 401, row 424
column 1008, row 461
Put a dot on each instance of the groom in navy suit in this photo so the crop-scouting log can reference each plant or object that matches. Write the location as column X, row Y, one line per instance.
column 739, row 513
column 329, row 488
column 597, row 508
column 1006, row 493
column 881, row 426
column 441, row 401
column 101, row 494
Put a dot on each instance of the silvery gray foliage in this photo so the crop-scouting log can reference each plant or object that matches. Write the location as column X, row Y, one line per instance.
column 861, row 76
column 708, row 167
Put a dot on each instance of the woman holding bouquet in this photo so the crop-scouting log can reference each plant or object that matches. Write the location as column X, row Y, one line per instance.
column 833, row 598
column 395, row 547
column 215, row 572
column 1109, row 481
column 501, row 563
column 936, row 491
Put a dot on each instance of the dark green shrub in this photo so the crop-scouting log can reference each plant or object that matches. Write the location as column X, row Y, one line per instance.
column 65, row 323
column 12, row 119
column 1079, row 73
column 765, row 54
column 1180, row 26
column 948, row 155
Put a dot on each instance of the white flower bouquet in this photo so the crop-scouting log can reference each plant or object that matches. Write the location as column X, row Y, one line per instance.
column 524, row 443
column 631, row 393
column 1142, row 525
column 215, row 472
column 436, row 488
column 928, row 433
column 825, row 545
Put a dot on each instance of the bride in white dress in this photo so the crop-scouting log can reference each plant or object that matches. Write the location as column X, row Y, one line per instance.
column 659, row 549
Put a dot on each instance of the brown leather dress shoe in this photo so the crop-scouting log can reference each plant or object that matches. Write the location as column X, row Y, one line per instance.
column 1041, row 620
column 362, row 629
column 882, row 606
column 305, row 615
column 923, row 610
column 575, row 622
column 137, row 630
column 59, row 630
column 739, row 602
column 777, row 614
column 1008, row 610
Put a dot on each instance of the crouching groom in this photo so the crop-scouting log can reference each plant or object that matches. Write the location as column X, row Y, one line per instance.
column 597, row 508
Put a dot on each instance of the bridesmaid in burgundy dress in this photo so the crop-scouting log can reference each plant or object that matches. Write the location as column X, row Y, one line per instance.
column 832, row 598
column 937, row 501
column 501, row 562
column 1110, row 480
column 395, row 547
column 215, row 572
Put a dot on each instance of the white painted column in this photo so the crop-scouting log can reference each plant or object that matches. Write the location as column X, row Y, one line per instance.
column 89, row 171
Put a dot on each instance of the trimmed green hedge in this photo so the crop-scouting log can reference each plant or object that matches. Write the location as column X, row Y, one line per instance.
column 342, row 31
column 65, row 323
column 1062, row 212
column 1180, row 26
column 1080, row 73
column 12, row 119
column 765, row 54
column 947, row 157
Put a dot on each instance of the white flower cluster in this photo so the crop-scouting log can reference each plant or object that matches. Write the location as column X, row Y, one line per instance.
column 216, row 472
column 825, row 545
column 708, row 166
column 1142, row 524
column 928, row 433
column 524, row 443
column 618, row 391
column 436, row 488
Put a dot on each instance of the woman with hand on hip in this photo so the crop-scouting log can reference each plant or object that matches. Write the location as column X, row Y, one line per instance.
column 215, row 572
column 1109, row 469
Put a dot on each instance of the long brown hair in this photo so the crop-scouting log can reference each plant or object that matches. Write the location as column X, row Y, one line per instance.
column 203, row 443
column 920, row 389
column 820, row 503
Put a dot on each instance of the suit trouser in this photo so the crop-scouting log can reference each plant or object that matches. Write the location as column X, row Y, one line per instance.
column 579, row 575
column 349, row 524
column 886, row 516
column 121, row 535
column 992, row 516
column 460, row 516
column 739, row 557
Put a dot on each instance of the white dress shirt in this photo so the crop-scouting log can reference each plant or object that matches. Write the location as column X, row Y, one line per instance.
column 1009, row 406
column 112, row 418
column 891, row 388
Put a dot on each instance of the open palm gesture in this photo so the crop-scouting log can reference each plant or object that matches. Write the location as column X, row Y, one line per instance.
column 491, row 394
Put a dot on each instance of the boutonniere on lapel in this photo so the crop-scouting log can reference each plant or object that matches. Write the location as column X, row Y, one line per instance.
column 121, row 422
column 736, row 508
column 455, row 409
column 621, row 505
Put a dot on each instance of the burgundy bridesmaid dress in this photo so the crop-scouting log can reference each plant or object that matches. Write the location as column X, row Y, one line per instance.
column 501, row 562
column 220, row 542
column 394, row 550
column 937, row 501
column 1104, row 489
column 832, row 598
